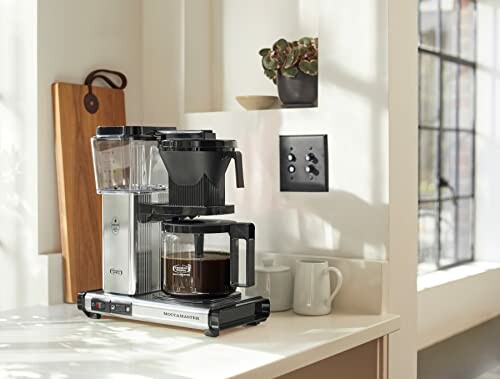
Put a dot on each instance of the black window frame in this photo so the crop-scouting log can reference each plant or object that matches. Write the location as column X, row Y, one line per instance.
column 460, row 62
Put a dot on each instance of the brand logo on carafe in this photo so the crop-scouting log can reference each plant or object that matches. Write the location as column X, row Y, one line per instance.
column 182, row 270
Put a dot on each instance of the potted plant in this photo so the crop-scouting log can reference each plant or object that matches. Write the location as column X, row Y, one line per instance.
column 293, row 67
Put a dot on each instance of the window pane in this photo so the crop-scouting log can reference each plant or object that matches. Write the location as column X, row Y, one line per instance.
column 447, row 115
column 450, row 27
column 465, row 229
column 450, row 75
column 449, row 164
column 448, row 237
column 465, row 164
column 428, row 164
column 429, row 90
column 429, row 23
column 466, row 107
column 428, row 249
column 467, row 36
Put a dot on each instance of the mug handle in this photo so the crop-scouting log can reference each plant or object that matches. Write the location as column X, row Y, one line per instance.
column 340, row 280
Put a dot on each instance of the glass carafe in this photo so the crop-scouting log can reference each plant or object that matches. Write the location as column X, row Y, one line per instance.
column 201, row 258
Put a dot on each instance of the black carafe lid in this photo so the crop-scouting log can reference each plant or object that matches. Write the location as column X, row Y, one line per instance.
column 197, row 226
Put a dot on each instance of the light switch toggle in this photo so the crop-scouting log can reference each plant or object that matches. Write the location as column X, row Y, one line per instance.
column 310, row 169
column 311, row 158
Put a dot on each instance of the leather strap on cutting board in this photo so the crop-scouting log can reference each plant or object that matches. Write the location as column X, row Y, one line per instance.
column 78, row 110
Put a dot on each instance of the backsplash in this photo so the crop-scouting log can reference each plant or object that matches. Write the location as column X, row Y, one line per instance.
column 362, row 289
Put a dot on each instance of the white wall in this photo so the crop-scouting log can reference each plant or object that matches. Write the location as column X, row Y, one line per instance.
column 352, row 219
column 23, row 274
column 241, row 29
column 61, row 40
column 199, row 53
column 488, row 131
column 74, row 38
column 163, row 61
column 458, row 304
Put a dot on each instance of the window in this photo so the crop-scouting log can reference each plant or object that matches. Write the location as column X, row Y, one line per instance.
column 447, row 114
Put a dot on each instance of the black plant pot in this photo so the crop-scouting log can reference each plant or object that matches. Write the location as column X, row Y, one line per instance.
column 298, row 92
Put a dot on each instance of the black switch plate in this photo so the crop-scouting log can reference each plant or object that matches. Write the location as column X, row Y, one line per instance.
column 304, row 163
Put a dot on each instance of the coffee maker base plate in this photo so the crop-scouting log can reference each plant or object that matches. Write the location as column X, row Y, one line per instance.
column 209, row 315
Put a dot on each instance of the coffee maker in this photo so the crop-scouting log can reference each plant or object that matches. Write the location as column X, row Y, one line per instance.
column 162, row 262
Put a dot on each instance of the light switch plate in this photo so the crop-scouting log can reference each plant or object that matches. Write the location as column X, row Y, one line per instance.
column 304, row 163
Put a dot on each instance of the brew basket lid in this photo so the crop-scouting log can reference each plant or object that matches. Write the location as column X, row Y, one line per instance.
column 194, row 140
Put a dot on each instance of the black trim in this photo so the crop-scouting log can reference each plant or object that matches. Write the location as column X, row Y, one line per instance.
column 172, row 144
column 447, row 57
column 224, row 313
column 250, row 311
column 197, row 226
column 165, row 212
column 134, row 132
column 80, row 304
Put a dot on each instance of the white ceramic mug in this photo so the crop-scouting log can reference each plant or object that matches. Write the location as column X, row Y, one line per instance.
column 273, row 282
column 312, row 293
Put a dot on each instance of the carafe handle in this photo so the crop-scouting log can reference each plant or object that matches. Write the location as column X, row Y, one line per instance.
column 237, row 232
column 238, row 163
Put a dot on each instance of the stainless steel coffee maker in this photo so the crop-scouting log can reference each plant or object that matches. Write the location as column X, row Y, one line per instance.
column 162, row 262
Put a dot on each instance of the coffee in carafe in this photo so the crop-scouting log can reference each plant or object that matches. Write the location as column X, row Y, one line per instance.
column 185, row 274
column 200, row 258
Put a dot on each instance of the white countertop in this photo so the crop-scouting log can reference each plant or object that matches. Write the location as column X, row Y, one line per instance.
column 59, row 342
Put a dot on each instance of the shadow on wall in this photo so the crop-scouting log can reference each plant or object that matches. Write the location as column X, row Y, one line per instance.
column 352, row 219
column 17, row 163
column 360, row 228
column 338, row 222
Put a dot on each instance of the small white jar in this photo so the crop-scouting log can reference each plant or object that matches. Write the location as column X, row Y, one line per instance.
column 275, row 283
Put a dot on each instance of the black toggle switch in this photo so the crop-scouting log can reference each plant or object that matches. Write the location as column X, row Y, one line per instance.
column 310, row 169
column 311, row 158
column 291, row 169
column 291, row 157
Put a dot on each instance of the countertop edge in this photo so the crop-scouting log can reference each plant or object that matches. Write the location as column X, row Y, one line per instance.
column 329, row 349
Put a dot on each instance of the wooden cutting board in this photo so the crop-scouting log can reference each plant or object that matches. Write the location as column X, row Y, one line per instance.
column 79, row 204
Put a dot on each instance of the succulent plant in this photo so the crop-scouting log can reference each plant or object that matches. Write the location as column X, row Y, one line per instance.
column 288, row 58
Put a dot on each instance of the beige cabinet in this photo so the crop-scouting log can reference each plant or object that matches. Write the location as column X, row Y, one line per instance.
column 368, row 361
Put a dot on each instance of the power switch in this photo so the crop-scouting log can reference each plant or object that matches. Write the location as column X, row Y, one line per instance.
column 99, row 305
